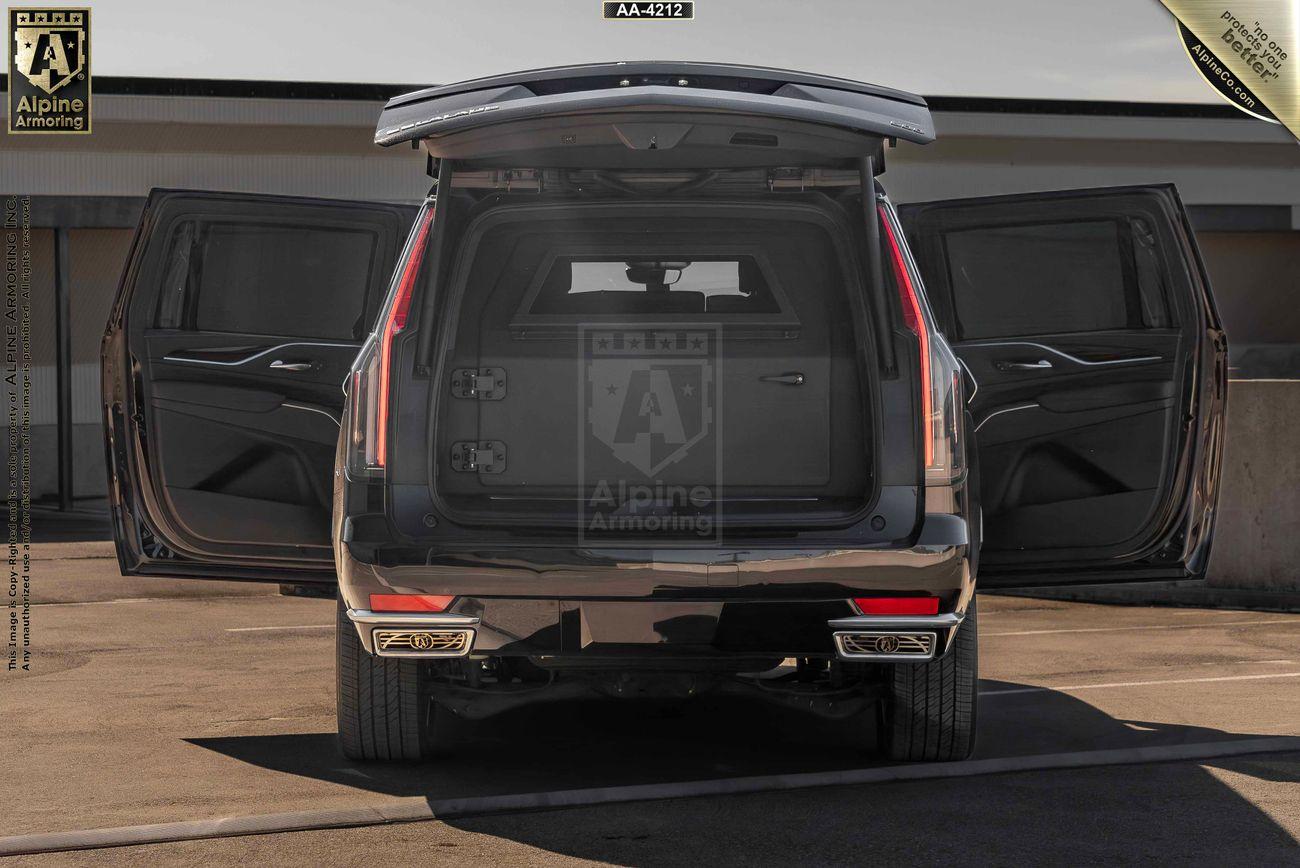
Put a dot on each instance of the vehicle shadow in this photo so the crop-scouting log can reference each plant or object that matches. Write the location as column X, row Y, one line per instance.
column 579, row 744
column 1058, row 816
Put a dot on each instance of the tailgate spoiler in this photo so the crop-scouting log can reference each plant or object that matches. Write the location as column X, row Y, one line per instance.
column 626, row 94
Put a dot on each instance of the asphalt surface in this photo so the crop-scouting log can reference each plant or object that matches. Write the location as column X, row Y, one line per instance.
column 156, row 701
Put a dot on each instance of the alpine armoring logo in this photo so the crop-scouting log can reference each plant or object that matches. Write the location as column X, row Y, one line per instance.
column 650, row 459
column 49, row 71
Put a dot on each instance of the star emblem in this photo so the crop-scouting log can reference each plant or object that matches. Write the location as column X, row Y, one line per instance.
column 697, row 344
column 634, row 343
column 611, row 389
column 603, row 343
column 666, row 344
column 688, row 390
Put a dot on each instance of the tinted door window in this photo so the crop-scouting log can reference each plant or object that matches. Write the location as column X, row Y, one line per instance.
column 298, row 281
column 1047, row 278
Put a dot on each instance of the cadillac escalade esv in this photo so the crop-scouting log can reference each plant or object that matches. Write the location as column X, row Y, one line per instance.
column 658, row 392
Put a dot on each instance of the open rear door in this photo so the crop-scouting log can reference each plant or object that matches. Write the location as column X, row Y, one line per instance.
column 1099, row 371
column 234, row 326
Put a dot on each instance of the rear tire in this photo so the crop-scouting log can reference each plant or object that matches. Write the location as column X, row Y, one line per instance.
column 385, row 710
column 929, row 708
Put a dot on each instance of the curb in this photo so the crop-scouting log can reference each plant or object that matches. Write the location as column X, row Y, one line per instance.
column 1193, row 593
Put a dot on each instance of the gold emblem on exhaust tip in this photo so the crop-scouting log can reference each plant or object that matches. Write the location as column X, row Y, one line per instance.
column 421, row 641
column 887, row 644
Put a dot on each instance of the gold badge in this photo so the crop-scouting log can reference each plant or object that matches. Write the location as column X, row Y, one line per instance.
column 421, row 641
column 49, row 71
column 1246, row 50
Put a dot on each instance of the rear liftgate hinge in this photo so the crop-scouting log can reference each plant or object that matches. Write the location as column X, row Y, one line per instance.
column 485, row 384
column 478, row 456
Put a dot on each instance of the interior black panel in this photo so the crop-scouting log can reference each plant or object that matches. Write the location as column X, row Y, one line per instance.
column 1074, row 455
column 246, row 452
column 245, row 316
column 1073, row 318
column 789, row 414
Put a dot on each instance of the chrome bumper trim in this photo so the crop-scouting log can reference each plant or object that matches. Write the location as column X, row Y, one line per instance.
column 944, row 621
column 422, row 619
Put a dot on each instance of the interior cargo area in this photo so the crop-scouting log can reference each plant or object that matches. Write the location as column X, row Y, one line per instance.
column 643, row 356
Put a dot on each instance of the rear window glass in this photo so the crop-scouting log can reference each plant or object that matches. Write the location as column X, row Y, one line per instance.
column 663, row 284
column 1045, row 278
column 300, row 281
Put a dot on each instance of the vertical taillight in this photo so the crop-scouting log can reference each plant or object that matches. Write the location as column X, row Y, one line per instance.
column 941, row 411
column 370, row 386
column 915, row 321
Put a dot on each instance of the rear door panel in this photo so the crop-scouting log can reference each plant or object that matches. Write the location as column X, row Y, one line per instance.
column 234, row 327
column 1097, row 365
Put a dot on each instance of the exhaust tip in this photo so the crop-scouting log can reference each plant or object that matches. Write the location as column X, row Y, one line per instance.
column 422, row 642
column 885, row 646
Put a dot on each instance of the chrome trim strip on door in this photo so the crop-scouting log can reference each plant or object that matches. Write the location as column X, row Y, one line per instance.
column 965, row 367
column 256, row 355
column 1062, row 354
column 1000, row 412
column 325, row 413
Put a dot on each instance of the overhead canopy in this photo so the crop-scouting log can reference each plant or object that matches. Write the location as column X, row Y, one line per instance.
column 655, row 114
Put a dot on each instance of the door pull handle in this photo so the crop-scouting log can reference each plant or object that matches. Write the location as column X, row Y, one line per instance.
column 1040, row 365
column 279, row 365
column 792, row 379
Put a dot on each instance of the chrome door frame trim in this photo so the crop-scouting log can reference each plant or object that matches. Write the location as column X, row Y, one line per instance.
column 256, row 355
column 1061, row 353
column 1005, row 410
column 330, row 416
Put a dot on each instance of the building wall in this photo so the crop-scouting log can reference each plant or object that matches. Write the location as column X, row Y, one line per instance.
column 1255, row 543
column 44, row 456
column 282, row 146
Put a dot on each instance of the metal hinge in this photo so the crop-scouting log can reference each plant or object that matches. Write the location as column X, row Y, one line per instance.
column 486, row 384
column 798, row 179
column 478, row 456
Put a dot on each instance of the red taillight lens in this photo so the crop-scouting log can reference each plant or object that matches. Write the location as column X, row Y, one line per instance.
column 410, row 602
column 394, row 323
column 915, row 321
column 897, row 605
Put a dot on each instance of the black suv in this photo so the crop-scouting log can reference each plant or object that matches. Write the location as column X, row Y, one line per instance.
column 658, row 393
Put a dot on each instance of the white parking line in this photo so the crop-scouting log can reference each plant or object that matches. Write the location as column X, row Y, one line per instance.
column 418, row 808
column 1139, row 683
column 985, row 635
column 114, row 602
column 290, row 627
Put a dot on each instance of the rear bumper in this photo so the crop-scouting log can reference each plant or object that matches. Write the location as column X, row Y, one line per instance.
column 568, row 632
column 603, row 606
